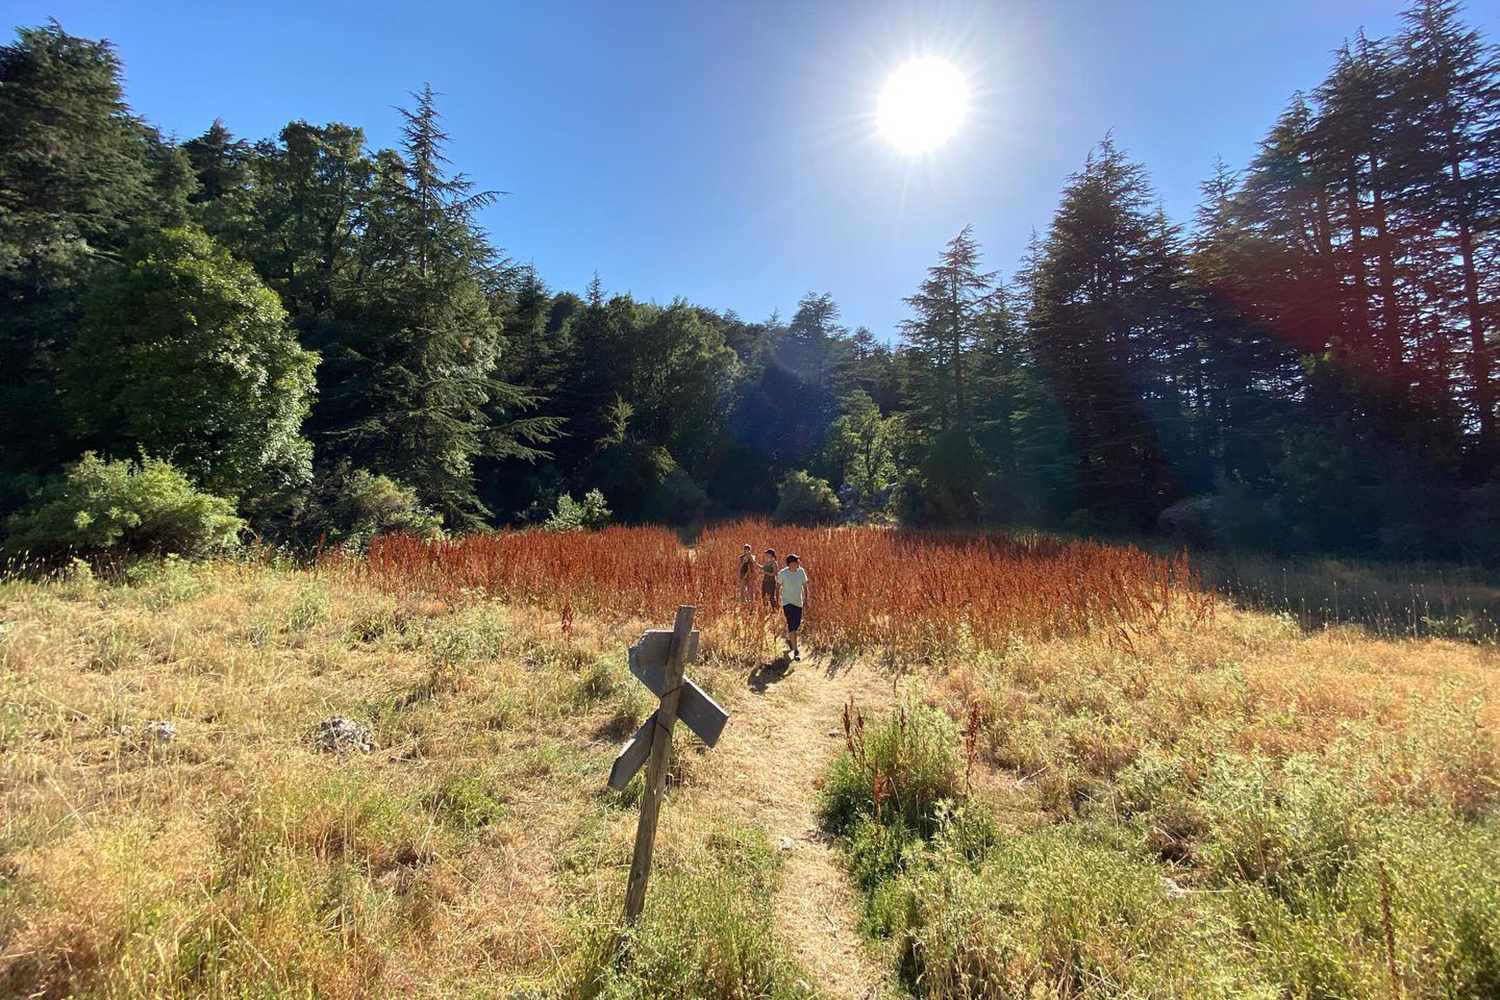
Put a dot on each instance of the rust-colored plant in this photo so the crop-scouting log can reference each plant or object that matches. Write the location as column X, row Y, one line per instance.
column 905, row 593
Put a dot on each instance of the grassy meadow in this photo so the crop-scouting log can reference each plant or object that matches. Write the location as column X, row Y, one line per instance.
column 1092, row 780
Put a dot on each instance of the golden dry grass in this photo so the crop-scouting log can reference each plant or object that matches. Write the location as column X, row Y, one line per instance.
column 460, row 855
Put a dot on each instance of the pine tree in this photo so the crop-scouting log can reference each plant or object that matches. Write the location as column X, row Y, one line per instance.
column 416, row 395
column 950, row 307
column 1095, row 323
column 1450, row 99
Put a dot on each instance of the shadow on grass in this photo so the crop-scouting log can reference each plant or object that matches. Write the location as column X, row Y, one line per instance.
column 766, row 674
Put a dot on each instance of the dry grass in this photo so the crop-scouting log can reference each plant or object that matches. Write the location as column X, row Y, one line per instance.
column 1073, row 714
column 475, row 849
column 239, row 854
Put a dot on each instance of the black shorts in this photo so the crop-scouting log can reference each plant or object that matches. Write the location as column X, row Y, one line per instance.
column 793, row 616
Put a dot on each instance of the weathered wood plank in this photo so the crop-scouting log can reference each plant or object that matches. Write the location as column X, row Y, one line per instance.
column 632, row 755
column 656, row 767
column 697, row 710
column 654, row 644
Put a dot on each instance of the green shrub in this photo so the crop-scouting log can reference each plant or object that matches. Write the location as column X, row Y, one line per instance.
column 350, row 506
column 899, row 769
column 123, row 508
column 1049, row 915
column 803, row 498
column 707, row 932
column 589, row 514
column 1440, row 886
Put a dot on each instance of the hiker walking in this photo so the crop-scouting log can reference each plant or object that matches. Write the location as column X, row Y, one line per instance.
column 748, row 568
column 768, row 579
column 793, row 583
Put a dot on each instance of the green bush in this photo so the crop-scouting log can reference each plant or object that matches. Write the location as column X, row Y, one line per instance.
column 123, row 508
column 897, row 770
column 351, row 506
column 589, row 514
column 803, row 498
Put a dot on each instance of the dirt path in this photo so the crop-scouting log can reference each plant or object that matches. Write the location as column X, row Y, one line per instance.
column 783, row 733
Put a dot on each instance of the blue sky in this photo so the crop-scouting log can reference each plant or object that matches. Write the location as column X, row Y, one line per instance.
column 727, row 152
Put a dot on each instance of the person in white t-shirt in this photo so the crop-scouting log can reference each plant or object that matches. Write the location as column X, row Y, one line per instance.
column 793, row 584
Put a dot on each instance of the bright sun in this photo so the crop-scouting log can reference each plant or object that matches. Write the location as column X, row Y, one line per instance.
column 923, row 104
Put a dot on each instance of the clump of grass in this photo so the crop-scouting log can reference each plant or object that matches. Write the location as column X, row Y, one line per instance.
column 707, row 932
column 1418, row 896
column 893, row 772
column 171, row 580
column 896, row 785
column 466, row 801
column 1049, row 914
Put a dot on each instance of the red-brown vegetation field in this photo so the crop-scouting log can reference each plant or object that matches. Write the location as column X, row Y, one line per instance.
column 902, row 592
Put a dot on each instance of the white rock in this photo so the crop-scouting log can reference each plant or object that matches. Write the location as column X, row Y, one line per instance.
column 341, row 735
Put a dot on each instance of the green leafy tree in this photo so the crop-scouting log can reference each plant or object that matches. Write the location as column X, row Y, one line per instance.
column 186, row 354
column 859, row 449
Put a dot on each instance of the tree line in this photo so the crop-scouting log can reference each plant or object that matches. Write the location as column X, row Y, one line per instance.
column 323, row 334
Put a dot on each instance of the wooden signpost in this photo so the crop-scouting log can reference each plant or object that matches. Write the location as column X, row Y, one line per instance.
column 657, row 660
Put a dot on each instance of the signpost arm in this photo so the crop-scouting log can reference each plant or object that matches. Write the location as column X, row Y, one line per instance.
column 656, row 766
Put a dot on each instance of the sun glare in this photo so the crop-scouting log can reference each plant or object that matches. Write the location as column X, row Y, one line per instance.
column 923, row 104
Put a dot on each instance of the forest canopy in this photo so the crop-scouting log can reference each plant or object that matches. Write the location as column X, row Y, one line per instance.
column 323, row 335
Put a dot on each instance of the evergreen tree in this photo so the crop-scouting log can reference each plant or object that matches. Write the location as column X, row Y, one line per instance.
column 414, row 394
column 80, row 176
column 950, row 309
column 1449, row 100
column 1096, row 321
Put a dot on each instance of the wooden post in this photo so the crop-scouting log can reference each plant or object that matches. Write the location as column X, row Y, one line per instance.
column 656, row 766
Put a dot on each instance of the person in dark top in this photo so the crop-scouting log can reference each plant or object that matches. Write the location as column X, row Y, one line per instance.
column 748, row 568
column 768, row 579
